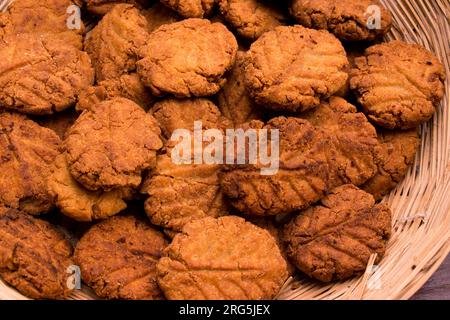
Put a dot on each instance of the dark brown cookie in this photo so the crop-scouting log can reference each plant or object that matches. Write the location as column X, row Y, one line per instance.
column 393, row 156
column 294, row 68
column 398, row 84
column 346, row 19
column 34, row 256
column 27, row 152
column 59, row 122
column 224, row 258
column 110, row 145
column 118, row 258
column 334, row 240
column 187, row 58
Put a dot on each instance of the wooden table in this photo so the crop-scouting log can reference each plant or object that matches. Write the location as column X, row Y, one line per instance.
column 438, row 286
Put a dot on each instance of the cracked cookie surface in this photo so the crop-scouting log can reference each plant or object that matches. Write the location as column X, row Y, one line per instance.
column 294, row 68
column 335, row 239
column 187, row 58
column 118, row 257
column 34, row 256
column 398, row 84
column 111, row 145
column 224, row 258
column 27, row 152
column 346, row 19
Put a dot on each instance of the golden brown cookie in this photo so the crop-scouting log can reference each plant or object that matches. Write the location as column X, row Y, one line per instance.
column 102, row 7
column 59, row 122
column 191, row 8
column 233, row 100
column 346, row 19
column 110, row 145
column 187, row 58
column 27, row 151
column 118, row 257
column 313, row 160
column 127, row 86
column 335, row 239
column 398, row 84
column 393, row 156
column 43, row 16
column 114, row 42
column 158, row 15
column 79, row 203
column 34, row 256
column 56, row 72
column 294, row 68
column 179, row 193
column 251, row 18
column 225, row 258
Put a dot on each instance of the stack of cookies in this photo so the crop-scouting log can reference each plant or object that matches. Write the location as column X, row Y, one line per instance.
column 87, row 121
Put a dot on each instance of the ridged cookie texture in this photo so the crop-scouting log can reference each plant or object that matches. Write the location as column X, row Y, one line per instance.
column 313, row 160
column 224, row 258
column 34, row 256
column 56, row 72
column 118, row 257
column 294, row 68
column 27, row 152
column 398, row 84
column 335, row 239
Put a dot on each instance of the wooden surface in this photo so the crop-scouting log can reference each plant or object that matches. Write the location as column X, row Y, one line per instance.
column 438, row 287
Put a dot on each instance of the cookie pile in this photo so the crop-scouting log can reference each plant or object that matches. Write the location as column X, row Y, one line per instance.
column 86, row 120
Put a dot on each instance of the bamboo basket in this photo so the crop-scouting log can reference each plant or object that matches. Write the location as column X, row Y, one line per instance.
column 420, row 203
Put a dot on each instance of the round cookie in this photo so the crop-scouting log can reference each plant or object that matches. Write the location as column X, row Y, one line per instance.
column 127, row 86
column 34, row 256
column 222, row 259
column 113, row 44
column 56, row 72
column 335, row 239
column 102, row 7
column 180, row 193
column 118, row 257
column 294, row 68
column 111, row 144
column 77, row 202
column 27, row 152
column 394, row 155
column 187, row 58
column 191, row 8
column 398, row 84
column 233, row 100
column 346, row 19
column 251, row 18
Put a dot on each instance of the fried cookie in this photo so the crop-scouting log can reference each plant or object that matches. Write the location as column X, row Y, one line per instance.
column 294, row 68
column 180, row 193
column 187, row 58
column 77, row 202
column 44, row 16
column 191, row 8
column 114, row 42
column 34, row 256
column 158, row 15
column 346, row 19
column 224, row 258
column 313, row 160
column 56, row 72
column 394, row 155
column 335, row 239
column 251, row 18
column 111, row 144
column 233, row 100
column 102, row 7
column 118, row 257
column 27, row 152
column 398, row 84
column 127, row 86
